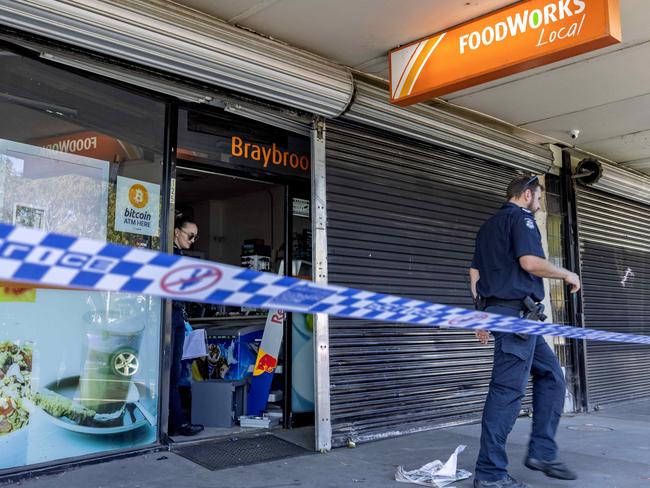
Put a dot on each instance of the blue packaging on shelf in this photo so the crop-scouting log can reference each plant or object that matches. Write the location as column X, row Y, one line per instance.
column 231, row 353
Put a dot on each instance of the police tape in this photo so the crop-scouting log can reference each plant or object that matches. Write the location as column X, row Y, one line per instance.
column 40, row 258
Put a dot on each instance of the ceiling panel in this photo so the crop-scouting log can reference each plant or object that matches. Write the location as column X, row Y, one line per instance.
column 605, row 121
column 355, row 33
column 605, row 79
column 628, row 147
column 228, row 9
column 638, row 164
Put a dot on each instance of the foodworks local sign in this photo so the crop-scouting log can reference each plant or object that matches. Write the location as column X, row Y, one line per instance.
column 528, row 34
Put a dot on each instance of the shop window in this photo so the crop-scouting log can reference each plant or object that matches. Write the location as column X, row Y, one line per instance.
column 78, row 370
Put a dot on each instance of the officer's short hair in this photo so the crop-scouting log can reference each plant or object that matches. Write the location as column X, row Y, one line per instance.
column 521, row 183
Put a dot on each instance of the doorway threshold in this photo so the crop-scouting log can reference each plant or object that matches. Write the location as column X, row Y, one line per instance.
column 222, row 453
column 218, row 433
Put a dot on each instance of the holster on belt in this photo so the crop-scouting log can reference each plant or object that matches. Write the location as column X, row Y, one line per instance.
column 530, row 309
column 479, row 302
column 534, row 311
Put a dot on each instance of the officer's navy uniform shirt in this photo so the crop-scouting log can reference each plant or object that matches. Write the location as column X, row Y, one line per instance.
column 509, row 234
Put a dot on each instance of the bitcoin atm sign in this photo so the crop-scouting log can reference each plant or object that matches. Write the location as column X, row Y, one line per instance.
column 517, row 38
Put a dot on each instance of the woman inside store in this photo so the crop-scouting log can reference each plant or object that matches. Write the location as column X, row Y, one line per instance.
column 185, row 234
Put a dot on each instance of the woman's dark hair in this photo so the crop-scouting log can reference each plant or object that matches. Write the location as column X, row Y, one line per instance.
column 181, row 220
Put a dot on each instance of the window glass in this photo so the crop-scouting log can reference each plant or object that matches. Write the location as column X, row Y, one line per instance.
column 78, row 370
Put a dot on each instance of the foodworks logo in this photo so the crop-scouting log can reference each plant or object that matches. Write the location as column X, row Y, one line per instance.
column 73, row 145
column 521, row 22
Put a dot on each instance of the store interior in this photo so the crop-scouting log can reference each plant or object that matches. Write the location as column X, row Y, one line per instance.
column 244, row 222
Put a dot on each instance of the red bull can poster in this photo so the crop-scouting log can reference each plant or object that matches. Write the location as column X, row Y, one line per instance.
column 267, row 361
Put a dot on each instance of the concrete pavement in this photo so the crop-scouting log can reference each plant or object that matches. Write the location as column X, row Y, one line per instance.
column 608, row 449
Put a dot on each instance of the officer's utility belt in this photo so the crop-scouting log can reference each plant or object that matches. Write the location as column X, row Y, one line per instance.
column 531, row 309
column 498, row 302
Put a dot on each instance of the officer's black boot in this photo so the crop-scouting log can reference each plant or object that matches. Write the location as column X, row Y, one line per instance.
column 552, row 469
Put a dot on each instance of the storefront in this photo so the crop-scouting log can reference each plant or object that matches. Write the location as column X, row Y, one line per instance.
column 242, row 172
column 267, row 151
column 84, row 375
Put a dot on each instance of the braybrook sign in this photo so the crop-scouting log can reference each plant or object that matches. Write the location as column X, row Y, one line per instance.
column 517, row 38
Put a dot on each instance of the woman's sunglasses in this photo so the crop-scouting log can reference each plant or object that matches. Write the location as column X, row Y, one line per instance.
column 190, row 236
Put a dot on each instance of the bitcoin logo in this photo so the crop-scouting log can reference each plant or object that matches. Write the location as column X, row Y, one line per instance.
column 138, row 196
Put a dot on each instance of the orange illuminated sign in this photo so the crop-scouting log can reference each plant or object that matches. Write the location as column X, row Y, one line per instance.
column 268, row 155
column 528, row 34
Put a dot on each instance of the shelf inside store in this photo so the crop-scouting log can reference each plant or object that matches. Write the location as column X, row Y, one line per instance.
column 229, row 320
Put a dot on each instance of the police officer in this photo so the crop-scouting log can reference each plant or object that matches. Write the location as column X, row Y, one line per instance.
column 508, row 266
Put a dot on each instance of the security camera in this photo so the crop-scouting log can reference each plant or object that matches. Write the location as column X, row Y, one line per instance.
column 574, row 133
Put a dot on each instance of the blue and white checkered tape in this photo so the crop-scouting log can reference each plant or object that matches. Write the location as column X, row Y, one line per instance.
column 48, row 259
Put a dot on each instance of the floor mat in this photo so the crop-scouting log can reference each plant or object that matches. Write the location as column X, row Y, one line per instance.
column 229, row 453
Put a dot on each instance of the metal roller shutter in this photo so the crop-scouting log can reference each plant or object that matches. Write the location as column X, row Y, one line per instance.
column 614, row 253
column 187, row 43
column 402, row 218
column 434, row 125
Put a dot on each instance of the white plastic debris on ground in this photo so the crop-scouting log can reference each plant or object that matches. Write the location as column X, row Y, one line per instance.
column 435, row 473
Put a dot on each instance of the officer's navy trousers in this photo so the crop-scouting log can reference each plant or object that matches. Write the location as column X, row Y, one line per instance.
column 515, row 360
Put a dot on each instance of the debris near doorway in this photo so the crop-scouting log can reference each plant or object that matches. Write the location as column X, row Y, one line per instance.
column 435, row 474
column 264, row 422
